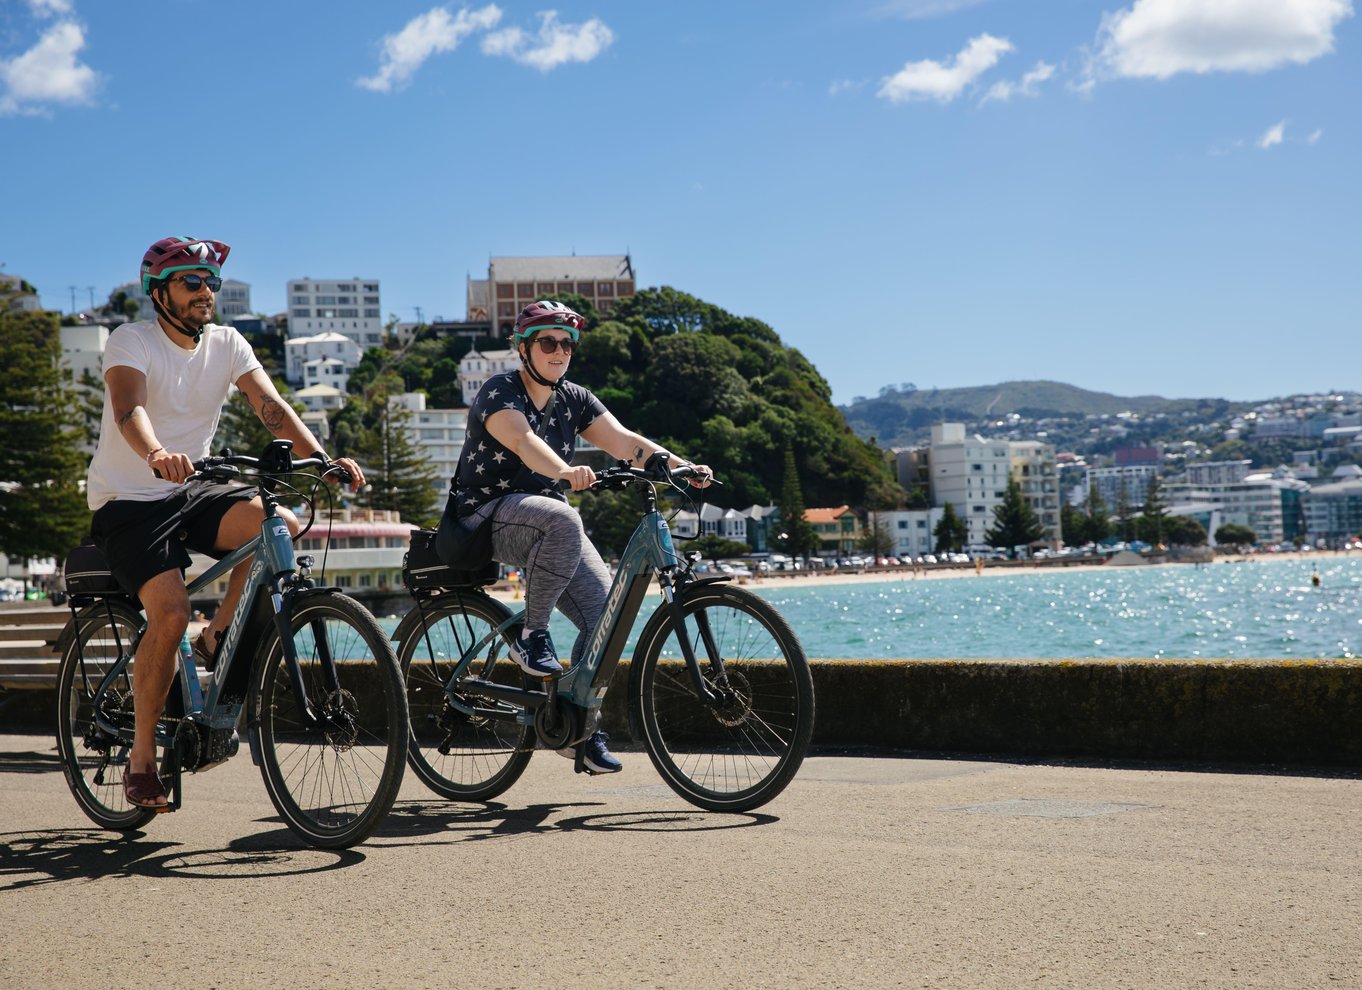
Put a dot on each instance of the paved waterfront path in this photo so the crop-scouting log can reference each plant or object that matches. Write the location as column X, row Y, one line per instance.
column 868, row 872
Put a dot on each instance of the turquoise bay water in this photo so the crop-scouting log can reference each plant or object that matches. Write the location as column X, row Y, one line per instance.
column 1261, row 608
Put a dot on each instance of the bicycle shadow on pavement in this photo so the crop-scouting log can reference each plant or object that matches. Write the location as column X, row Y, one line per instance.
column 74, row 855
column 440, row 823
column 29, row 762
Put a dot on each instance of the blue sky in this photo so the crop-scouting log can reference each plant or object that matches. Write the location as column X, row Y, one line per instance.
column 1135, row 196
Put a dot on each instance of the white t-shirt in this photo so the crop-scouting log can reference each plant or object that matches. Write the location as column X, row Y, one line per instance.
column 186, row 390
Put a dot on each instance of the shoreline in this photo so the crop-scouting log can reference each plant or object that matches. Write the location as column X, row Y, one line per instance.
column 937, row 572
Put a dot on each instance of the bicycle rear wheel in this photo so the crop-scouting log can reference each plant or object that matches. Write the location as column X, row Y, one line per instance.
column 462, row 756
column 333, row 779
column 92, row 759
column 741, row 753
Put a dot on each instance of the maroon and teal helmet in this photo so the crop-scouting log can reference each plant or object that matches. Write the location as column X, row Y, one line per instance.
column 545, row 315
column 175, row 254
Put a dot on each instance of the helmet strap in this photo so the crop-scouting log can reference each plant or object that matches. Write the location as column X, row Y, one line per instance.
column 527, row 362
column 175, row 323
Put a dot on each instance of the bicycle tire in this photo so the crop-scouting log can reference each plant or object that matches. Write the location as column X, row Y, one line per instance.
column 92, row 761
column 483, row 756
column 333, row 786
column 741, row 755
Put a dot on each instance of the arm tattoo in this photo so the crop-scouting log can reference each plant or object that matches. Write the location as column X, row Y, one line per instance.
column 126, row 418
column 638, row 454
column 271, row 413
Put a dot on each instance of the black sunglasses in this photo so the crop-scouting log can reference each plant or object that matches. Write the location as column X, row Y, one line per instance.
column 194, row 282
column 550, row 344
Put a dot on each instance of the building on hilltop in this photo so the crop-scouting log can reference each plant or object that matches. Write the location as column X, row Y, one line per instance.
column 514, row 283
column 349, row 307
column 18, row 294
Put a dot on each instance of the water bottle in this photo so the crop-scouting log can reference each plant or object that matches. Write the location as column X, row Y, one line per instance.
column 191, row 673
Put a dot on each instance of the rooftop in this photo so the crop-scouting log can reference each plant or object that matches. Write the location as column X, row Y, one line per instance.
column 572, row 266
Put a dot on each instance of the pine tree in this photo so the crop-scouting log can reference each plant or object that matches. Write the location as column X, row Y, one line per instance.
column 1014, row 521
column 1098, row 524
column 1152, row 523
column 41, row 430
column 951, row 531
column 799, row 535
column 398, row 477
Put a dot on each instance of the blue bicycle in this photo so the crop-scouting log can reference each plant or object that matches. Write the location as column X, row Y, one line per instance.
column 309, row 669
column 719, row 690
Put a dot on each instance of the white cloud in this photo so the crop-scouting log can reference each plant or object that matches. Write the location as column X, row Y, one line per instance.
column 1156, row 39
column 49, row 72
column 1273, row 135
column 840, row 86
column 1315, row 136
column 1029, row 85
column 49, row 8
column 435, row 31
column 932, row 80
column 554, row 45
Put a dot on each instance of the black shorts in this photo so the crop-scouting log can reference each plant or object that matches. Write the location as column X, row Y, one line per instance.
column 144, row 539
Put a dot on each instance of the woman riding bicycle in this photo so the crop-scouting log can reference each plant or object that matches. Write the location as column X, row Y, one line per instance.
column 522, row 430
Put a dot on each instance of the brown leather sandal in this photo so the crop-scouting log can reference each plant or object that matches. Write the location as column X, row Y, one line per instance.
column 204, row 656
column 145, row 790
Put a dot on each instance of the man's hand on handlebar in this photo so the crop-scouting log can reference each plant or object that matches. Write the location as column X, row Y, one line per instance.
column 172, row 467
column 578, row 478
column 702, row 477
column 345, row 469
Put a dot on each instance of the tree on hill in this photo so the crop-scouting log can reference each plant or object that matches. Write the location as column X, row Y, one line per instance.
column 1015, row 523
column 1152, row 521
column 797, row 536
column 44, row 513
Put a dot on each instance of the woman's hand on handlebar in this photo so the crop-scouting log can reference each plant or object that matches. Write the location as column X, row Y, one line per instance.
column 702, row 476
column 175, row 468
column 577, row 478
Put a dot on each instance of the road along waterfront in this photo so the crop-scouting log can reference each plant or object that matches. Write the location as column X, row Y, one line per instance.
column 867, row 872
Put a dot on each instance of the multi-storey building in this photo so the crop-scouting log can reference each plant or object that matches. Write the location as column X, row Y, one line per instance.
column 1217, row 472
column 913, row 530
column 1270, row 504
column 346, row 306
column 1333, row 510
column 972, row 473
column 838, row 529
column 514, row 283
column 1121, row 484
column 233, row 300
column 437, row 433
column 18, row 294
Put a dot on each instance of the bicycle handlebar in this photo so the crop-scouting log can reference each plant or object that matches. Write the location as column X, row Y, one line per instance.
column 209, row 467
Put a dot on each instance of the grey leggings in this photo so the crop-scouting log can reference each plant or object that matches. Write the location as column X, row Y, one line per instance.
column 545, row 537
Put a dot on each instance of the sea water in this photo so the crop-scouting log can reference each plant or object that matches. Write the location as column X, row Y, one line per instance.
column 1260, row 607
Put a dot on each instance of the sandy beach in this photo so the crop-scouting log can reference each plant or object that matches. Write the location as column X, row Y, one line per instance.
column 992, row 568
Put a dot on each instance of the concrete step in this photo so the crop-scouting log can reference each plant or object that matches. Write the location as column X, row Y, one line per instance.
column 35, row 631
column 27, row 614
column 28, row 673
column 34, row 649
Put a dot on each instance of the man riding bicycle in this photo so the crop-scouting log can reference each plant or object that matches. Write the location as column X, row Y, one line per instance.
column 522, row 430
column 166, row 381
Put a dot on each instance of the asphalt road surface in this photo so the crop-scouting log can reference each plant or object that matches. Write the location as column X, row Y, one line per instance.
column 869, row 871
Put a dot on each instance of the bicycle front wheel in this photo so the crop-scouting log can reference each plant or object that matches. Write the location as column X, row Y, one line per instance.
column 333, row 775
column 460, row 754
column 92, row 759
column 741, row 752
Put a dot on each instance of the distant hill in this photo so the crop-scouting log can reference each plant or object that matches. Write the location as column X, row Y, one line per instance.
column 896, row 417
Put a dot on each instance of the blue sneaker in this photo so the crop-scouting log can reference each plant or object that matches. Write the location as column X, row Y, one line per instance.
column 595, row 755
column 535, row 655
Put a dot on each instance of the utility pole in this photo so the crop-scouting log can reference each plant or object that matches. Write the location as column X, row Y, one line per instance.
column 91, row 288
column 73, row 299
column 419, row 318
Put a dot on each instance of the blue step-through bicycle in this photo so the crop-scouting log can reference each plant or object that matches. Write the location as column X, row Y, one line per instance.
column 719, row 690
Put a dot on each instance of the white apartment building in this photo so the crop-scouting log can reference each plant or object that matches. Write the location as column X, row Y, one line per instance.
column 339, row 355
column 82, row 350
column 345, row 306
column 971, row 473
column 1122, row 481
column 913, row 530
column 133, row 290
column 1218, row 472
column 437, row 433
column 712, row 520
column 476, row 367
column 321, row 398
column 233, row 300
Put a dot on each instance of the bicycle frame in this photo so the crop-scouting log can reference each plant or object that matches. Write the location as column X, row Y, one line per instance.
column 649, row 550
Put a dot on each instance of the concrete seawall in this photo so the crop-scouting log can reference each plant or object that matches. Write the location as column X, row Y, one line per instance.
column 1302, row 712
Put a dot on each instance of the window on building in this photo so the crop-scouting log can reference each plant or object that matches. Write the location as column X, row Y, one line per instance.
column 302, row 300
column 346, row 300
column 564, row 286
column 605, row 289
column 587, row 289
column 505, row 290
column 371, row 300
column 301, row 311
column 345, row 287
column 505, row 309
column 626, row 288
column 370, row 286
column 344, row 580
column 524, row 288
column 365, row 581
column 372, row 314
column 330, row 300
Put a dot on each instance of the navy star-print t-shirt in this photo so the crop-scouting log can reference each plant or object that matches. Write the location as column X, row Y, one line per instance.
column 487, row 470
